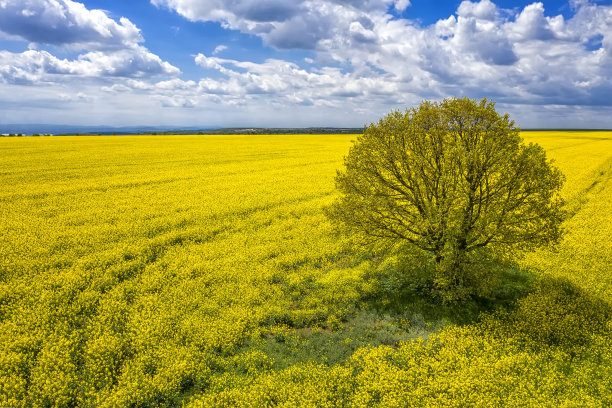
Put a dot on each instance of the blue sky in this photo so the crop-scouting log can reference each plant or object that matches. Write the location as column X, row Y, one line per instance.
column 218, row 63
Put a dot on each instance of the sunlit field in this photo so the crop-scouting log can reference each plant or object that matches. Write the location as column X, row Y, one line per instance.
column 201, row 271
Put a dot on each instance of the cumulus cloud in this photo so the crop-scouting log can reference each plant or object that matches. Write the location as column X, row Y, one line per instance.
column 515, row 57
column 34, row 66
column 283, row 83
column 485, row 40
column 401, row 5
column 531, row 24
column 113, row 48
column 288, row 82
column 284, row 23
column 483, row 10
column 521, row 57
column 135, row 63
column 345, row 30
column 65, row 22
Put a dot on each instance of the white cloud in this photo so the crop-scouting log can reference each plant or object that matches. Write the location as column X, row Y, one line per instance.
column 526, row 57
column 401, row 5
column 40, row 66
column 531, row 24
column 112, row 48
column 175, row 84
column 361, row 34
column 288, row 83
column 14, row 75
column 65, row 22
column 219, row 48
column 523, row 58
column 284, row 23
column 116, row 88
column 78, row 97
column 484, row 9
column 175, row 101
column 138, row 62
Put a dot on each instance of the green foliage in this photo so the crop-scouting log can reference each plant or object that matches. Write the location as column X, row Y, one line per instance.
column 451, row 179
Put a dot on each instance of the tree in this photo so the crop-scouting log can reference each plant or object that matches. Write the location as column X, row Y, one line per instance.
column 453, row 179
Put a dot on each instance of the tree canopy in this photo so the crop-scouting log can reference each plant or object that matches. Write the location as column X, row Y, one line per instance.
column 450, row 178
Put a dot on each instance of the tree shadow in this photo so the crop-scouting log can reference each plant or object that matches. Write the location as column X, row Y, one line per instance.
column 556, row 313
column 395, row 302
column 536, row 310
column 405, row 289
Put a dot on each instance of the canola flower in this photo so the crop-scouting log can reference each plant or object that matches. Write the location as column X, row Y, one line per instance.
column 154, row 271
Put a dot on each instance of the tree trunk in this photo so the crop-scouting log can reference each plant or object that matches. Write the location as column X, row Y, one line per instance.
column 450, row 274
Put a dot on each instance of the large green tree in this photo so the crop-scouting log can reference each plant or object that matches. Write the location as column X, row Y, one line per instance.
column 451, row 178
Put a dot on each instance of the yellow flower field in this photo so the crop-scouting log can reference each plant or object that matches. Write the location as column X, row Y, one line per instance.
column 200, row 271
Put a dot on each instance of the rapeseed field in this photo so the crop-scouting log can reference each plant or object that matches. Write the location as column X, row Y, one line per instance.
column 200, row 271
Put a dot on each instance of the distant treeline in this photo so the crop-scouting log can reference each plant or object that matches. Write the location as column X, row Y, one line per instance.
column 223, row 131
column 255, row 131
column 280, row 131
